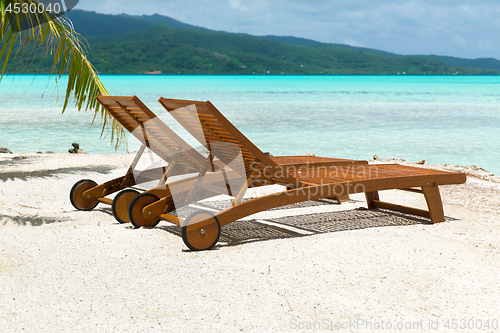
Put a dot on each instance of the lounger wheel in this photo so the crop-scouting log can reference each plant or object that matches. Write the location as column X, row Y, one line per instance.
column 76, row 195
column 135, row 211
column 121, row 203
column 200, row 230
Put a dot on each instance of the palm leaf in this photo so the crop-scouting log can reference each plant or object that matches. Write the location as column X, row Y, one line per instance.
column 55, row 36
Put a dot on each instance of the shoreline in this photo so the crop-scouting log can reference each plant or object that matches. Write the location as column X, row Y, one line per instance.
column 66, row 270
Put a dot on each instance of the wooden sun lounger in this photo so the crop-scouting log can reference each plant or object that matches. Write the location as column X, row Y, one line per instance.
column 139, row 120
column 201, row 229
column 132, row 114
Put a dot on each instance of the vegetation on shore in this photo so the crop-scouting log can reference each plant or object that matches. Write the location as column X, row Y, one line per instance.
column 124, row 44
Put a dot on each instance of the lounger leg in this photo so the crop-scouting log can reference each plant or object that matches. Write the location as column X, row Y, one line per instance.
column 342, row 198
column 370, row 196
column 434, row 203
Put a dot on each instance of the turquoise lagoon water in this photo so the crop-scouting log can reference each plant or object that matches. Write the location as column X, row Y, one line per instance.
column 442, row 119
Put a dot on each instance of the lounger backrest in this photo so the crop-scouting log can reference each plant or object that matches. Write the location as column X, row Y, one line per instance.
column 136, row 117
column 216, row 128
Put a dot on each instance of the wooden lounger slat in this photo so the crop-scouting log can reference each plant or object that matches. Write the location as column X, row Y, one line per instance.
column 280, row 160
column 349, row 173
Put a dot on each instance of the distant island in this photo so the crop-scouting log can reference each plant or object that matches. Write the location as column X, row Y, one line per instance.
column 156, row 44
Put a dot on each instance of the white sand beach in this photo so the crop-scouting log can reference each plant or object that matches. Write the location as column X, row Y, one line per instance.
column 313, row 267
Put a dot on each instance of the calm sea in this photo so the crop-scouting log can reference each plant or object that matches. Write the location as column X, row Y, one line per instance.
column 442, row 119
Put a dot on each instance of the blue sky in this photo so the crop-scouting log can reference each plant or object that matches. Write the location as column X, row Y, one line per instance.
column 466, row 29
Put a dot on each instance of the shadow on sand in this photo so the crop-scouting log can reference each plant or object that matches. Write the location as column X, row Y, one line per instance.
column 25, row 175
column 242, row 232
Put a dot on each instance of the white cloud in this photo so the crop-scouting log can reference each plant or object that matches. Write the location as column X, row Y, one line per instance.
column 459, row 41
column 236, row 4
column 485, row 45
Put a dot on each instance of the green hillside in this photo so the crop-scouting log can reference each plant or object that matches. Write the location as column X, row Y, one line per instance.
column 482, row 63
column 128, row 44
column 96, row 24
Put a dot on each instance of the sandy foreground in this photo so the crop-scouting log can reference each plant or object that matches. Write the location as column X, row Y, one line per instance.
column 311, row 267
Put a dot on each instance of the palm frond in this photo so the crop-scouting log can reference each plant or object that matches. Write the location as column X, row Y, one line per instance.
column 57, row 39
